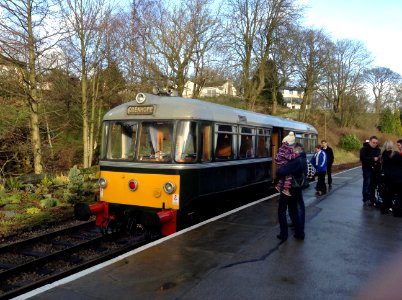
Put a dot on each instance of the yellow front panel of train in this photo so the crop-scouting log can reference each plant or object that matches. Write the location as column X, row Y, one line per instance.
column 149, row 192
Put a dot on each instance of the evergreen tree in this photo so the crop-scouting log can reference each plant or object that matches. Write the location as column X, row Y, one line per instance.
column 387, row 124
column 397, row 122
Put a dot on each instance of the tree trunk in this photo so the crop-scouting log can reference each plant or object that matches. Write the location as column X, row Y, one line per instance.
column 33, row 98
column 84, row 107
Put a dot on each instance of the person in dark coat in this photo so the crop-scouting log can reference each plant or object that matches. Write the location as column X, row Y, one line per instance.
column 370, row 155
column 295, row 167
column 392, row 171
column 330, row 160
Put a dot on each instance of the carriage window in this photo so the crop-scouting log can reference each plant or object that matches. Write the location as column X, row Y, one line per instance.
column 299, row 139
column 155, row 142
column 247, row 138
column 206, row 143
column 263, row 142
column 312, row 141
column 186, row 142
column 119, row 139
column 225, row 143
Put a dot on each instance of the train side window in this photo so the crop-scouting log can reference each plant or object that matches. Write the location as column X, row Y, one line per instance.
column 121, row 140
column 263, row 142
column 224, row 142
column 206, row 142
column 299, row 138
column 247, row 141
column 186, row 142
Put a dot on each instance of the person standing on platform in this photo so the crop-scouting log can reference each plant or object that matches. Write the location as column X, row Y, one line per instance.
column 370, row 155
column 330, row 161
column 295, row 167
column 392, row 169
column 319, row 161
column 399, row 144
column 285, row 153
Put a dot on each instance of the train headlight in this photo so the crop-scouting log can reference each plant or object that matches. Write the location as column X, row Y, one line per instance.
column 132, row 185
column 140, row 98
column 102, row 182
column 169, row 187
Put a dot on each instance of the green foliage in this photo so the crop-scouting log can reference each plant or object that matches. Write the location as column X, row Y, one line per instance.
column 349, row 142
column 61, row 180
column 13, row 184
column 32, row 210
column 46, row 182
column 10, row 199
column 397, row 122
column 75, row 187
column 49, row 202
column 34, row 197
column 386, row 121
column 390, row 122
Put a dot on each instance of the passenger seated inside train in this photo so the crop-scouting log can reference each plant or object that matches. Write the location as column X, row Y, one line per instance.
column 246, row 147
column 224, row 146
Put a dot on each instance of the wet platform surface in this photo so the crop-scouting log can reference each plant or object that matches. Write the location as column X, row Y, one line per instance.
column 239, row 256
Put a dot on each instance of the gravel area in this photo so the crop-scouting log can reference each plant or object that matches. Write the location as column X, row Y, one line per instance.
column 40, row 231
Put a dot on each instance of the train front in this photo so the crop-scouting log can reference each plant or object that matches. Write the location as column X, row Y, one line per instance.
column 137, row 188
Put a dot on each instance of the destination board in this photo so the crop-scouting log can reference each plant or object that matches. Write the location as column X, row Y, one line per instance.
column 140, row 110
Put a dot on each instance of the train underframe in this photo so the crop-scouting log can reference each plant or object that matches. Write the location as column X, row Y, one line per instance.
column 117, row 217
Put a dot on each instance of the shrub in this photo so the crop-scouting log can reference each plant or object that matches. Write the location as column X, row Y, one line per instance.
column 61, row 180
column 32, row 210
column 10, row 199
column 350, row 142
column 46, row 182
column 49, row 202
column 13, row 184
column 74, row 192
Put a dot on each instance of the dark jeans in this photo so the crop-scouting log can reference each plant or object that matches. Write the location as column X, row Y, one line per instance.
column 329, row 174
column 369, row 185
column 295, row 203
column 321, row 186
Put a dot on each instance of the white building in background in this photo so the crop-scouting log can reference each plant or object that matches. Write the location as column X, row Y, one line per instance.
column 211, row 90
column 293, row 97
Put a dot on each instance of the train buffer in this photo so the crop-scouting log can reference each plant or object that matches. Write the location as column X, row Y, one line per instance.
column 239, row 257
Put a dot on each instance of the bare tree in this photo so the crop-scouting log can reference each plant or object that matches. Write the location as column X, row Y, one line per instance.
column 310, row 59
column 348, row 59
column 85, row 20
column 383, row 82
column 251, row 28
column 176, row 34
column 26, row 36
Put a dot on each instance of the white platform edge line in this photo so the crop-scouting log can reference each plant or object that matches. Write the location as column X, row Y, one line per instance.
column 137, row 250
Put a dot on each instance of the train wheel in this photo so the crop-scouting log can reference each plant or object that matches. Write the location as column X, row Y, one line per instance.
column 109, row 227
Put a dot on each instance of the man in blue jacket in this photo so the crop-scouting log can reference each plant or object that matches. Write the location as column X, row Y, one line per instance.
column 319, row 161
column 295, row 167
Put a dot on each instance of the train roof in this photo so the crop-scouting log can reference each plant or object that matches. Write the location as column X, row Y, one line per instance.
column 155, row 107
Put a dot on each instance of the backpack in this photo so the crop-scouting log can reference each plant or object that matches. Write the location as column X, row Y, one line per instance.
column 302, row 182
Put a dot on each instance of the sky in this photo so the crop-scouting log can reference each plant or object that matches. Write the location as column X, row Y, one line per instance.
column 378, row 24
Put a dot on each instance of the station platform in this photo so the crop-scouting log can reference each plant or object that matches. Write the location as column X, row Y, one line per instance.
column 238, row 255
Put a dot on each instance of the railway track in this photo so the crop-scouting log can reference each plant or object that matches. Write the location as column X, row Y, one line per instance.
column 31, row 263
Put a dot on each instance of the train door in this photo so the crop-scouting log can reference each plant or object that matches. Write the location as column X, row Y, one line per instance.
column 275, row 144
